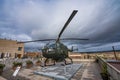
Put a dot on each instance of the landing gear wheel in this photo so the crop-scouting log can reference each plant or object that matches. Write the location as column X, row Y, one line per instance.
column 66, row 62
column 47, row 60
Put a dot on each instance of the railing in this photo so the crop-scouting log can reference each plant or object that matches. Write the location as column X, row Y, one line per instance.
column 114, row 74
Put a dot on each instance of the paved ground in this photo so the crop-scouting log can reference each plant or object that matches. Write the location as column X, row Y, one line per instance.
column 59, row 71
column 23, row 74
column 89, row 71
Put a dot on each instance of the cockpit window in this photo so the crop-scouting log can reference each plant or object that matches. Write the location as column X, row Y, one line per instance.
column 50, row 49
column 51, row 46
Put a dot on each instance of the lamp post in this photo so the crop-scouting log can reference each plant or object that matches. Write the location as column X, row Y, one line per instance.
column 114, row 52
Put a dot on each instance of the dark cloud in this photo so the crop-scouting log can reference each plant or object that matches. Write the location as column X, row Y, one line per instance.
column 98, row 20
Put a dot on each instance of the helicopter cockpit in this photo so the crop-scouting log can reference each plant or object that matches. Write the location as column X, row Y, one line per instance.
column 51, row 48
column 54, row 48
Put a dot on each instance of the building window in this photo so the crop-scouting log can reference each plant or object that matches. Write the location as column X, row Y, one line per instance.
column 19, row 48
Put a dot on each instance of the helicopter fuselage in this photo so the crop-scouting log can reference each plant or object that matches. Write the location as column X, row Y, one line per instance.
column 56, row 51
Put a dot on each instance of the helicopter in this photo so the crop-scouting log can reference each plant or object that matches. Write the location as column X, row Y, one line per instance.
column 57, row 51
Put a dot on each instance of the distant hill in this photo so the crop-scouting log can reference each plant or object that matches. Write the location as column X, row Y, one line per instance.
column 100, row 51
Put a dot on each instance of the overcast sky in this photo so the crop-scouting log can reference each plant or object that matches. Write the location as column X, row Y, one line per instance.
column 97, row 20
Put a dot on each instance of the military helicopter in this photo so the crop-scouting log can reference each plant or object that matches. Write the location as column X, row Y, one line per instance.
column 57, row 51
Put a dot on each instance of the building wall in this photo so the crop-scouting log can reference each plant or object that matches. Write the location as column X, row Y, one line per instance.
column 33, row 54
column 11, row 47
column 81, row 55
column 106, row 55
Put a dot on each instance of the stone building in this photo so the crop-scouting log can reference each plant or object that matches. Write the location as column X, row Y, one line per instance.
column 11, row 48
column 81, row 55
column 33, row 54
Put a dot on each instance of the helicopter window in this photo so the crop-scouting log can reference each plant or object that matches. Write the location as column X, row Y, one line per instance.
column 50, row 49
column 52, row 46
column 58, row 44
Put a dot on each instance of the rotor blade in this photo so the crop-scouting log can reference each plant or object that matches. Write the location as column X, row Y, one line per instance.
column 73, row 39
column 66, row 24
column 53, row 39
column 37, row 40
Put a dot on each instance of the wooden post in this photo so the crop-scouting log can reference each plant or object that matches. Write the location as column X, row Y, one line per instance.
column 114, row 52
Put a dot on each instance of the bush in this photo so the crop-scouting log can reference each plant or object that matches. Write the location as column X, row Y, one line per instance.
column 104, row 76
column 96, row 60
column 38, row 61
column 15, row 64
column 2, row 66
column 104, row 73
column 29, row 62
